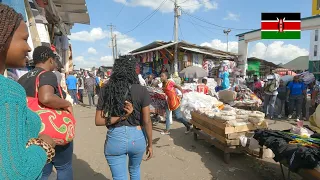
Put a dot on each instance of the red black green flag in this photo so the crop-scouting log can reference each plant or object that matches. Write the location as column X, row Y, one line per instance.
column 280, row 26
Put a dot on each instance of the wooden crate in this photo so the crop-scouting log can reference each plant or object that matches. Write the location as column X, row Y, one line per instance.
column 228, row 135
column 224, row 127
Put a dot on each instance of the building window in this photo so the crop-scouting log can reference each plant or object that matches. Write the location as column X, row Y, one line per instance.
column 315, row 51
column 316, row 36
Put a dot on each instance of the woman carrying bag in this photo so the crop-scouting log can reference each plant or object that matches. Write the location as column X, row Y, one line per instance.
column 43, row 90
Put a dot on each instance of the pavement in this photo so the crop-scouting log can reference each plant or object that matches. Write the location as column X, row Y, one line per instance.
column 176, row 157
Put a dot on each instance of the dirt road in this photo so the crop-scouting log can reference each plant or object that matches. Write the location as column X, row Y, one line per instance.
column 177, row 157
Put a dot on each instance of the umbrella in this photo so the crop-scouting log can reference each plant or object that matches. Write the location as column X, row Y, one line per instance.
column 193, row 72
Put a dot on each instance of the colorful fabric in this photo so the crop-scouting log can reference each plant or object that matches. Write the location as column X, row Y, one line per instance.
column 19, row 125
column 280, row 26
column 173, row 99
column 58, row 124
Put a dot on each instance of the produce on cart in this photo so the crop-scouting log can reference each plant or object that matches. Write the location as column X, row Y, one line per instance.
column 223, row 128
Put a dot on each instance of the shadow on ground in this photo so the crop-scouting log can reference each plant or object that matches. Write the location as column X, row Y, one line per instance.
column 83, row 171
column 241, row 166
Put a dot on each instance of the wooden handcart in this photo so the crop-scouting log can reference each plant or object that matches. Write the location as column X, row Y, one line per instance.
column 222, row 135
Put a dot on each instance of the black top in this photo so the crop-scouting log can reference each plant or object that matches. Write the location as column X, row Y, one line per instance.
column 28, row 81
column 142, row 98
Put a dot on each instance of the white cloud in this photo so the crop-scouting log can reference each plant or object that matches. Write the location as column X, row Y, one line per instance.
column 218, row 44
column 78, row 59
column 276, row 52
column 92, row 36
column 107, row 60
column 168, row 6
column 232, row 16
column 126, row 43
column 92, row 50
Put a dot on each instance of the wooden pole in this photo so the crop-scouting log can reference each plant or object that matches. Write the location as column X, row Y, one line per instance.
column 32, row 25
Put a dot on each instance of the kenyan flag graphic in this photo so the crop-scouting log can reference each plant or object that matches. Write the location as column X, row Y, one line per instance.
column 280, row 26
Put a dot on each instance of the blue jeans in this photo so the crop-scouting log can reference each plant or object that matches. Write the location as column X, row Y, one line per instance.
column 296, row 102
column 122, row 142
column 91, row 98
column 179, row 117
column 269, row 103
column 62, row 162
column 73, row 94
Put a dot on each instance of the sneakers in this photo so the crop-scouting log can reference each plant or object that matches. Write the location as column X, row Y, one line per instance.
column 188, row 129
column 165, row 133
column 279, row 116
column 290, row 116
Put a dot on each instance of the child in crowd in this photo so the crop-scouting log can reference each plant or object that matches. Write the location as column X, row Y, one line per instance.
column 203, row 88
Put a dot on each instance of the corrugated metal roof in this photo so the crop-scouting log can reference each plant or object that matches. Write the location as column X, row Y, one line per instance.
column 72, row 11
column 155, row 49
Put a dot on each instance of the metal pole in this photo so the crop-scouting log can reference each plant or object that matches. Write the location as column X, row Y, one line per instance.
column 112, row 42
column 176, row 38
column 116, row 45
column 227, row 33
column 227, row 42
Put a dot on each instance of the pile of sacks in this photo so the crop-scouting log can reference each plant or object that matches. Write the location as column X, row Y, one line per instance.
column 198, row 102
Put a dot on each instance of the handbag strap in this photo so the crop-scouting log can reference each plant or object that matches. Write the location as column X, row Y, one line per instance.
column 38, row 84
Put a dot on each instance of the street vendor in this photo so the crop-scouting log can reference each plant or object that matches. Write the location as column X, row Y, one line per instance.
column 174, row 102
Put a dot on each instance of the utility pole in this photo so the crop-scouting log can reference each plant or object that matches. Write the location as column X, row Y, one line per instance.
column 227, row 33
column 116, row 45
column 176, row 33
column 112, row 41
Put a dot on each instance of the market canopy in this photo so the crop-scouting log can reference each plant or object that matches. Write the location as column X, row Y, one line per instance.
column 155, row 49
column 197, row 50
column 193, row 72
column 73, row 11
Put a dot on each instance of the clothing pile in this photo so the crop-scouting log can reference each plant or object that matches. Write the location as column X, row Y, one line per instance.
column 245, row 97
column 158, row 100
column 307, row 77
column 298, row 152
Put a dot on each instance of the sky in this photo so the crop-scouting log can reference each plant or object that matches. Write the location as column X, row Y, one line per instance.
column 138, row 23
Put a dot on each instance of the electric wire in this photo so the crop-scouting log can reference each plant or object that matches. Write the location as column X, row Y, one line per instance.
column 147, row 17
column 205, row 21
column 180, row 30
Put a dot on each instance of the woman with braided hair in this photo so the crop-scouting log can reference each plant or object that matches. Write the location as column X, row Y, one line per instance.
column 123, row 107
column 23, row 153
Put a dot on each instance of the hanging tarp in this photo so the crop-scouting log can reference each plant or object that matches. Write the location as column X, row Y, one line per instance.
column 254, row 67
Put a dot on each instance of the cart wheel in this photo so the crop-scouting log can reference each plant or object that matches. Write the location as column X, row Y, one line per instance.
column 226, row 157
column 195, row 136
